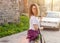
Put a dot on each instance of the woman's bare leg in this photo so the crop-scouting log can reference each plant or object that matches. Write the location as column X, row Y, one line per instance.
column 32, row 42
column 37, row 41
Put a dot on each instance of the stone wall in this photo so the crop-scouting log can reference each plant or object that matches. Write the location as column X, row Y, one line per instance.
column 23, row 6
column 9, row 11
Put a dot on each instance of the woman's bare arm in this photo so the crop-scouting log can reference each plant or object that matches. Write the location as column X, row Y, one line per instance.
column 36, row 27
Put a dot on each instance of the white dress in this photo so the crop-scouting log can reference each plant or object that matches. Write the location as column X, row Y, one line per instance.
column 34, row 20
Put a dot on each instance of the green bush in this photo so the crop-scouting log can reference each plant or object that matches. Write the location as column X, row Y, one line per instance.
column 12, row 28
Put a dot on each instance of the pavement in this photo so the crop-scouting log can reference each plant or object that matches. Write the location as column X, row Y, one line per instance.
column 49, row 36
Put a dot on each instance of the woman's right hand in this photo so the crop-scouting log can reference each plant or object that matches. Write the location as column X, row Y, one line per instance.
column 35, row 26
column 41, row 28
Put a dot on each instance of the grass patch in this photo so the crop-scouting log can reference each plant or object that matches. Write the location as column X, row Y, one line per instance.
column 12, row 28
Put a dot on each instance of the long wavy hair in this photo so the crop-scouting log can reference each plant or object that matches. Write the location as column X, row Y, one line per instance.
column 30, row 10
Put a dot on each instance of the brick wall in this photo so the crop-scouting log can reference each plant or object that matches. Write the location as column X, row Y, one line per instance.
column 9, row 11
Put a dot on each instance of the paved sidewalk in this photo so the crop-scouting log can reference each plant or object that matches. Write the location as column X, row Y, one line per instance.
column 17, row 38
column 49, row 36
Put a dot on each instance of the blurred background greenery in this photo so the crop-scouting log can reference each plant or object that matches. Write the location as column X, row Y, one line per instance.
column 13, row 28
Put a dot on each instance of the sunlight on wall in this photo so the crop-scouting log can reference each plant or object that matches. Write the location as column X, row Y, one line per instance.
column 47, row 1
column 52, row 5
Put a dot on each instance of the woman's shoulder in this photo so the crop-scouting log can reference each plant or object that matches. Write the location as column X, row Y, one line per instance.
column 33, row 17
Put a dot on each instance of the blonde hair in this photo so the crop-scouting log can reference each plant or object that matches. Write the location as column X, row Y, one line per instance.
column 30, row 10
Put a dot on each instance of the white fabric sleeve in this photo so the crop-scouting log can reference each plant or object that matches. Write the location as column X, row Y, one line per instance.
column 34, row 20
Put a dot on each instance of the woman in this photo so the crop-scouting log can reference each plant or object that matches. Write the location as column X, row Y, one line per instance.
column 33, row 32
